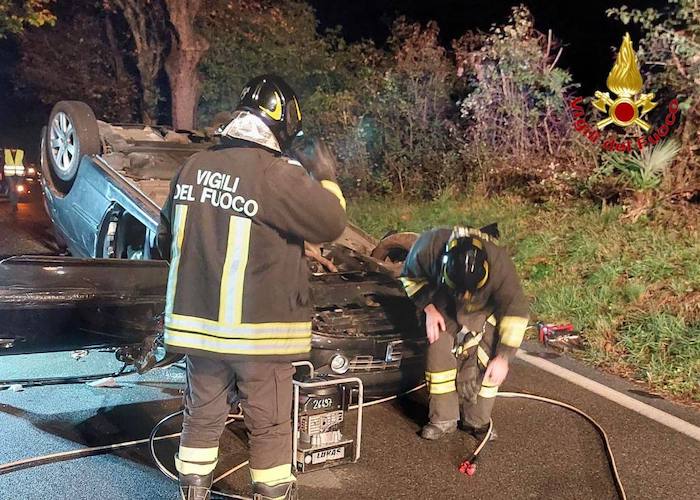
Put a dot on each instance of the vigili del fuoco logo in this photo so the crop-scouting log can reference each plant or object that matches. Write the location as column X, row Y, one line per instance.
column 626, row 107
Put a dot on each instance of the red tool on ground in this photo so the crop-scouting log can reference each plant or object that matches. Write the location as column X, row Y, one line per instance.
column 549, row 331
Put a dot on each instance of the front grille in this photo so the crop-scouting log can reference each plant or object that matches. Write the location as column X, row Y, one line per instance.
column 392, row 359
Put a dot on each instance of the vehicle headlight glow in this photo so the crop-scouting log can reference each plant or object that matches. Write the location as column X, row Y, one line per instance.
column 20, row 188
column 339, row 364
column 31, row 171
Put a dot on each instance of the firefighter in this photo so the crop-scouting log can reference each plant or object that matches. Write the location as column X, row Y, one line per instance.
column 237, row 299
column 14, row 171
column 475, row 316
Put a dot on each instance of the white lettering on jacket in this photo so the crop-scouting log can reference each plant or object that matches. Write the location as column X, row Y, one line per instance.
column 220, row 191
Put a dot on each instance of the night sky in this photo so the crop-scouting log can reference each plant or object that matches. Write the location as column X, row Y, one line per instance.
column 586, row 33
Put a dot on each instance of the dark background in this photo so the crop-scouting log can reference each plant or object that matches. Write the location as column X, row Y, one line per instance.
column 588, row 36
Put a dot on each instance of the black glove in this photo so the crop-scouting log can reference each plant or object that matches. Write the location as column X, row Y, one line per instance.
column 315, row 157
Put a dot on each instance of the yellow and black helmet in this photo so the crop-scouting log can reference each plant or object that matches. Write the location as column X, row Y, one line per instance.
column 465, row 266
column 274, row 101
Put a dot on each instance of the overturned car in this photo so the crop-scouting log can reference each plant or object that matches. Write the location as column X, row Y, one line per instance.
column 103, row 187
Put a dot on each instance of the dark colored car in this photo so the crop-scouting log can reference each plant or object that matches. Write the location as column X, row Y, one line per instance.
column 104, row 185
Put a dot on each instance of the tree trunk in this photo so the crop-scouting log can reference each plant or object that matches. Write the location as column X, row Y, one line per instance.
column 146, row 21
column 187, row 49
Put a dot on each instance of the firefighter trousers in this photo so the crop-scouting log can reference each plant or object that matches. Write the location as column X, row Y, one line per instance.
column 455, row 368
column 265, row 394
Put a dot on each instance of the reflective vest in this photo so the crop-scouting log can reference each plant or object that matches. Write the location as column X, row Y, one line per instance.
column 14, row 164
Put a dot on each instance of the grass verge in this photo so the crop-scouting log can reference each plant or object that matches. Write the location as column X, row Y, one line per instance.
column 633, row 289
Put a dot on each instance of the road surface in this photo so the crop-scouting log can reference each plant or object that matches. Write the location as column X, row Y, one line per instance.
column 543, row 452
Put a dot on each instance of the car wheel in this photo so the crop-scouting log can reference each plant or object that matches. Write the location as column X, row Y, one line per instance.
column 394, row 247
column 71, row 134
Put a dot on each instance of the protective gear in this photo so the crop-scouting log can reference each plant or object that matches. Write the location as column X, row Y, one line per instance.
column 436, row 430
column 479, row 433
column 273, row 100
column 237, row 302
column 284, row 491
column 195, row 487
column 234, row 227
column 249, row 127
column 315, row 157
column 490, row 322
column 465, row 266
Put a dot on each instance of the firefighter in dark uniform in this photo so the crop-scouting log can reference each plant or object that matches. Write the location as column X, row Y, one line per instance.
column 476, row 315
column 238, row 295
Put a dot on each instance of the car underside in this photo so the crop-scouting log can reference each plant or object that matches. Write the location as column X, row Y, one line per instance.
column 104, row 203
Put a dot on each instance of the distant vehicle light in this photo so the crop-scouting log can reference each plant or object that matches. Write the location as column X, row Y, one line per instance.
column 21, row 188
column 31, row 171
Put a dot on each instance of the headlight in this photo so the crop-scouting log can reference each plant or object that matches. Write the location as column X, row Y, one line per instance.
column 339, row 364
column 31, row 171
column 20, row 188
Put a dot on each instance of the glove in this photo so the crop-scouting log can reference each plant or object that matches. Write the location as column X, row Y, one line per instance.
column 315, row 157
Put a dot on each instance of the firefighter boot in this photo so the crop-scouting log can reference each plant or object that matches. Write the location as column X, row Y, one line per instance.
column 284, row 491
column 435, row 430
column 480, row 433
column 195, row 487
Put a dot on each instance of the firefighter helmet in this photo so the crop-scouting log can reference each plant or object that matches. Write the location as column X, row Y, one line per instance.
column 465, row 266
column 270, row 98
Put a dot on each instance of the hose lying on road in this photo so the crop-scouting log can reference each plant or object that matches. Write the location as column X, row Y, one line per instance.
column 56, row 457
column 36, row 382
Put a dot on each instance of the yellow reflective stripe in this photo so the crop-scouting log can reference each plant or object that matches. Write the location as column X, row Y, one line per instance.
column 473, row 341
column 190, row 468
column 491, row 320
column 442, row 387
column 335, row 189
column 483, row 357
column 233, row 275
column 19, row 157
column 412, row 286
column 8, row 157
column 198, row 454
column 253, row 347
column 444, row 376
column 487, row 391
column 179, row 218
column 512, row 330
column 273, row 476
column 241, row 331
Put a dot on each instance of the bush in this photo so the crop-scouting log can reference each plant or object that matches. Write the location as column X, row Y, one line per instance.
column 515, row 112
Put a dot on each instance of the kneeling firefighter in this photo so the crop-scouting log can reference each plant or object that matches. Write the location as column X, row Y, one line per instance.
column 475, row 314
column 237, row 300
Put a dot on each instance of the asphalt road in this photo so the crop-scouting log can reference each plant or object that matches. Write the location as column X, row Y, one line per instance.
column 543, row 452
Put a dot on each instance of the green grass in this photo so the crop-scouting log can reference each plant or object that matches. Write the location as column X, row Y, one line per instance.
column 633, row 289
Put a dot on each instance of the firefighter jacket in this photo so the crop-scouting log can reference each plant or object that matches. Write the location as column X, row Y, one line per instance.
column 236, row 219
column 501, row 297
column 14, row 163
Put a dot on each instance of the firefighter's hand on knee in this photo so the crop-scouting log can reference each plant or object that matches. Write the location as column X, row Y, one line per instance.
column 434, row 323
column 496, row 371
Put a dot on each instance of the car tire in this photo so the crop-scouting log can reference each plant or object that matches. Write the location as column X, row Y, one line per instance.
column 72, row 133
column 394, row 247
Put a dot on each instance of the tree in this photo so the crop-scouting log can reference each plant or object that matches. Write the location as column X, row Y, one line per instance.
column 15, row 15
column 147, row 22
column 187, row 47
column 63, row 62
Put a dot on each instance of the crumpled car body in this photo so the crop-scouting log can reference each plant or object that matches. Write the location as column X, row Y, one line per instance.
column 112, row 288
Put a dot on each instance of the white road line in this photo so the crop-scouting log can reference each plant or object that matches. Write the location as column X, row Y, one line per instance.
column 648, row 411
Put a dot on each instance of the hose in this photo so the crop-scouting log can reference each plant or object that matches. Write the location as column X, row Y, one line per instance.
column 466, row 465
column 36, row 382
